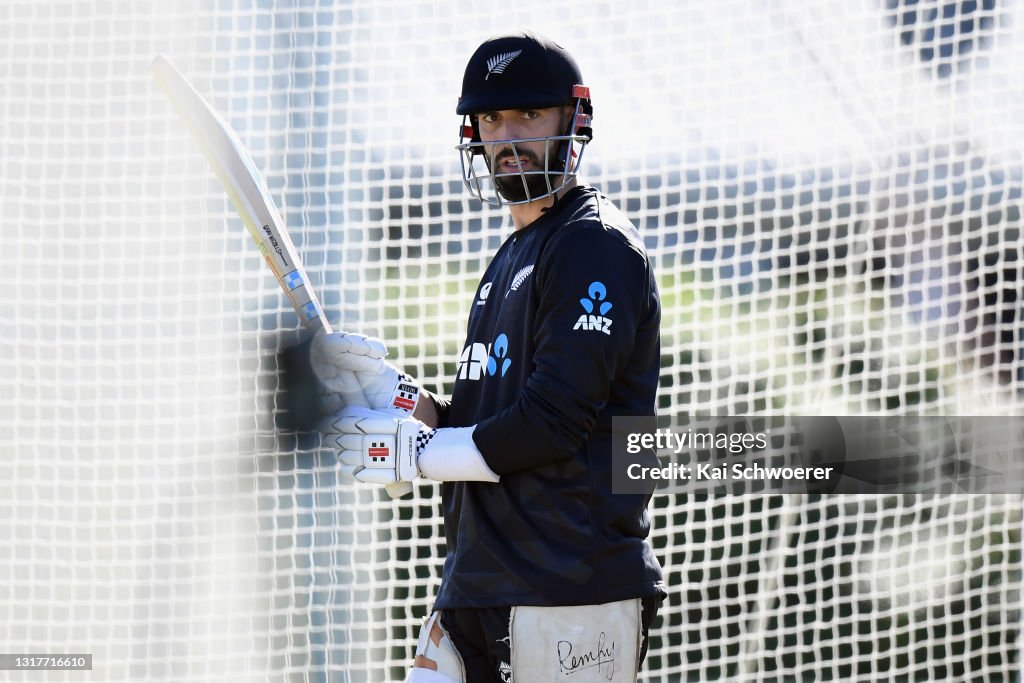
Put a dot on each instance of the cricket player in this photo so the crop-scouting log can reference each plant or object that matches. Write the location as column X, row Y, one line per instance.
column 548, row 575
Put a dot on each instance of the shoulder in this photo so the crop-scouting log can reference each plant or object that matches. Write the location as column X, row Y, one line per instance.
column 593, row 225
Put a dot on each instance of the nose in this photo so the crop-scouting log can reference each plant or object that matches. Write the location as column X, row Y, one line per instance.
column 509, row 129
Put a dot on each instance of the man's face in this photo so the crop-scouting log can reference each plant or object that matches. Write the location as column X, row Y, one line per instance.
column 507, row 161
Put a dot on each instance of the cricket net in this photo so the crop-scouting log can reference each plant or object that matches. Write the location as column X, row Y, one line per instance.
column 831, row 191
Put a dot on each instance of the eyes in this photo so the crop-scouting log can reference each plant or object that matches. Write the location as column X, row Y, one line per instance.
column 495, row 117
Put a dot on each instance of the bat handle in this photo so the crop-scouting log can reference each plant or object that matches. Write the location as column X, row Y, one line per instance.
column 399, row 489
column 356, row 397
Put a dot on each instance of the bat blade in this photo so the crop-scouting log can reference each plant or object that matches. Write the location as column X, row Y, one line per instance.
column 244, row 185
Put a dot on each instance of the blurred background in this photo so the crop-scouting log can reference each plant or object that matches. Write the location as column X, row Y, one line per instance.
column 831, row 191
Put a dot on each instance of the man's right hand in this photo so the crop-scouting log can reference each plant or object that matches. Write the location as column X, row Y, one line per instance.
column 340, row 358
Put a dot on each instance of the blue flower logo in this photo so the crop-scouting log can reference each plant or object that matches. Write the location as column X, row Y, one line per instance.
column 499, row 350
column 597, row 293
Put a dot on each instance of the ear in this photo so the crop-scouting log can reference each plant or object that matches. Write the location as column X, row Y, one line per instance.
column 565, row 118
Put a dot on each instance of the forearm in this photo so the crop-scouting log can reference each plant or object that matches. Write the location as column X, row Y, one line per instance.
column 426, row 409
column 539, row 429
column 431, row 410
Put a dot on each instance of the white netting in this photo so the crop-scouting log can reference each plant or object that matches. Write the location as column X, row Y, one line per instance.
column 832, row 193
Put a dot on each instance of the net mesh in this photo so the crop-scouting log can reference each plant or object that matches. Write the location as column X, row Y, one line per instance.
column 831, row 192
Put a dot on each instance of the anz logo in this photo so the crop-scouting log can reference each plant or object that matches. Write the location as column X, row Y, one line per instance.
column 596, row 309
column 499, row 351
column 479, row 360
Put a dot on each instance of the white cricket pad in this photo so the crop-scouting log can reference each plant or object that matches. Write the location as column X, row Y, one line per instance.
column 421, row 675
column 450, row 668
column 580, row 644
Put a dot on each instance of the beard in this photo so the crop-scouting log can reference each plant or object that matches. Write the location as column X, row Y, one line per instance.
column 513, row 189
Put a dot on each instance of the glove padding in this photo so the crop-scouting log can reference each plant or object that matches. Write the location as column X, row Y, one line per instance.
column 385, row 446
column 376, row 446
column 347, row 363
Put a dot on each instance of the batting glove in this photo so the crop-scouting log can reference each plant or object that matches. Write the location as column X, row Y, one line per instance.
column 384, row 447
column 341, row 358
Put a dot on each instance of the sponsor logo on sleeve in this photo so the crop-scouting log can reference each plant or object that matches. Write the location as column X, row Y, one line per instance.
column 596, row 307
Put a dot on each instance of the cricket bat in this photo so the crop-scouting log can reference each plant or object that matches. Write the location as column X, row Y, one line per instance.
column 244, row 185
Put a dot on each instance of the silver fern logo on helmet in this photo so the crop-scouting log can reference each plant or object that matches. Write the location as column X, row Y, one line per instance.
column 498, row 63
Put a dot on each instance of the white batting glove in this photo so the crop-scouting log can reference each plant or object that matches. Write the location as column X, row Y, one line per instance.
column 376, row 446
column 341, row 359
column 385, row 447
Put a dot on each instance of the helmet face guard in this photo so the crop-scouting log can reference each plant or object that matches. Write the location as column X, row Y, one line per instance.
column 522, row 71
column 562, row 156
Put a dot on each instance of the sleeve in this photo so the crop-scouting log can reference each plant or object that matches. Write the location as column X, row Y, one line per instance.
column 594, row 292
column 443, row 406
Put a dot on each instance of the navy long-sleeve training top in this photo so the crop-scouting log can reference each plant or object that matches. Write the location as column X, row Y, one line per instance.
column 563, row 336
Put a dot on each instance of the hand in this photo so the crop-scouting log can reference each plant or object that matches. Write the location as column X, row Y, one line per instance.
column 385, row 447
column 346, row 363
column 377, row 446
